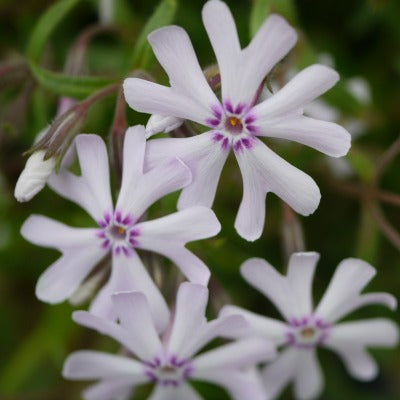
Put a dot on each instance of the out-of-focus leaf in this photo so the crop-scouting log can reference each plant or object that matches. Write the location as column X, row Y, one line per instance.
column 45, row 26
column 142, row 53
column 362, row 166
column 368, row 237
column 66, row 85
column 259, row 11
column 262, row 8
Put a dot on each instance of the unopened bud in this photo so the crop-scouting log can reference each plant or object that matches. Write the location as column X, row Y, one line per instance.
column 34, row 176
column 158, row 123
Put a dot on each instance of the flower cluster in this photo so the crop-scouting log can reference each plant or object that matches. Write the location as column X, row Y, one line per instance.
column 160, row 345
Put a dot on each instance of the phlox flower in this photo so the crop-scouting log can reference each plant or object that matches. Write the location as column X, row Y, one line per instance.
column 170, row 362
column 307, row 327
column 119, row 231
column 237, row 120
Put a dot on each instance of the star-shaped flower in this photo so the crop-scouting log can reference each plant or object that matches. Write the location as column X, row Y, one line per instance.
column 168, row 362
column 120, row 231
column 237, row 120
column 306, row 327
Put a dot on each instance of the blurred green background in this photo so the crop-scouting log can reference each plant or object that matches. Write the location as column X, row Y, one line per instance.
column 358, row 215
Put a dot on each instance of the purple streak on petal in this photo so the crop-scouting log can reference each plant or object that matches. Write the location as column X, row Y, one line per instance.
column 249, row 119
column 101, row 234
column 251, row 128
column 228, row 106
column 107, row 217
column 102, row 224
column 238, row 146
column 117, row 250
column 127, row 251
column 247, row 143
column 151, row 376
column 106, row 244
column 217, row 111
column 118, row 216
column 225, row 143
column 212, row 122
column 134, row 232
column 239, row 108
column 128, row 220
column 217, row 136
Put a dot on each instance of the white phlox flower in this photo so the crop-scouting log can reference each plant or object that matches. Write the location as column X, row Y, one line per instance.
column 236, row 121
column 307, row 327
column 170, row 362
column 119, row 231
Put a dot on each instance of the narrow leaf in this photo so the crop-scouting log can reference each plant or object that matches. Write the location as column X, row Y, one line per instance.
column 142, row 53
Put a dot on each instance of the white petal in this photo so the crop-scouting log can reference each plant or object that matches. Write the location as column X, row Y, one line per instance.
column 222, row 33
column 239, row 354
column 46, row 232
column 111, row 389
column 264, row 277
column 183, row 392
column 160, row 123
column 153, row 185
column 34, row 176
column 189, row 316
column 134, row 314
column 175, row 52
column 358, row 362
column 342, row 295
column 239, row 385
column 277, row 375
column 63, row 277
column 169, row 234
column 221, row 327
column 377, row 332
column 264, row 171
column 258, row 325
column 133, row 159
column 272, row 42
column 307, row 85
column 327, row 137
column 309, row 381
column 92, row 189
column 202, row 155
column 135, row 340
column 243, row 71
column 152, row 98
column 300, row 276
column 129, row 274
column 87, row 364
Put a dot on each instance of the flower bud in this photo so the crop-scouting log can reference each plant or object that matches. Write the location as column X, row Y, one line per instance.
column 34, row 176
column 158, row 123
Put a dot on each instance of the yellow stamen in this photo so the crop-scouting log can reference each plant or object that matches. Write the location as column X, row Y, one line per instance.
column 233, row 121
column 121, row 230
column 307, row 332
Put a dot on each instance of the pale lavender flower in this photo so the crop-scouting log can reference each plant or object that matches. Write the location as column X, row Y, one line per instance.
column 237, row 120
column 170, row 362
column 307, row 327
column 119, row 231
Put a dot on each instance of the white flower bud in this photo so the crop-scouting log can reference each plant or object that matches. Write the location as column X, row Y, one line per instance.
column 34, row 176
column 159, row 123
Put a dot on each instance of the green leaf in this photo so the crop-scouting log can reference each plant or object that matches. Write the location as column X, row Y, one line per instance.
column 361, row 165
column 75, row 86
column 368, row 237
column 263, row 8
column 59, row 83
column 259, row 12
column 142, row 53
column 46, row 25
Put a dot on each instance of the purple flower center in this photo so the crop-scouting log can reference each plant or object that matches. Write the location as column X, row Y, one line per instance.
column 118, row 233
column 307, row 332
column 171, row 372
column 234, row 125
